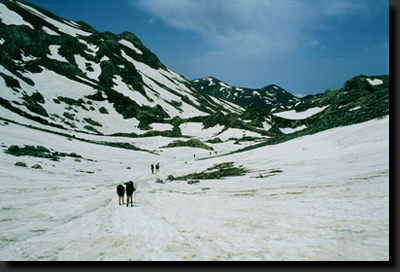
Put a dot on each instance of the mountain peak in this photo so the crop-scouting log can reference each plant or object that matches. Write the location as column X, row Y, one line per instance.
column 266, row 98
column 83, row 76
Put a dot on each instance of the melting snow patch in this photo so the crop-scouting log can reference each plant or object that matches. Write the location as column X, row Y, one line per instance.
column 211, row 81
column 356, row 108
column 10, row 17
column 266, row 126
column 293, row 115
column 131, row 46
column 28, row 57
column 375, row 81
column 291, row 130
column 54, row 53
column 224, row 85
column 104, row 58
column 93, row 48
column 49, row 31
column 161, row 127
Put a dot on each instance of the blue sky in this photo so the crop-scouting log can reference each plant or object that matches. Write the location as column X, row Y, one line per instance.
column 304, row 46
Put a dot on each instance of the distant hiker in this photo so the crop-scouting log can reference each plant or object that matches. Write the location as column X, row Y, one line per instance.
column 194, row 155
column 157, row 167
column 152, row 169
column 130, row 188
column 120, row 193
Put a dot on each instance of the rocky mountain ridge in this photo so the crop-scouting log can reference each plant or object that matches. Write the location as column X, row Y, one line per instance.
column 56, row 68
column 268, row 98
column 66, row 75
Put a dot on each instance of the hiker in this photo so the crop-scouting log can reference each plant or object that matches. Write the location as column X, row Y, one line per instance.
column 121, row 192
column 157, row 167
column 152, row 169
column 130, row 188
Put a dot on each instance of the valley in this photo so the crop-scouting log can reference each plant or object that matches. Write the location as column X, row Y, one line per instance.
column 245, row 174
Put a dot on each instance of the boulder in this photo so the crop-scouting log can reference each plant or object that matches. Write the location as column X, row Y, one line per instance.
column 20, row 164
column 159, row 181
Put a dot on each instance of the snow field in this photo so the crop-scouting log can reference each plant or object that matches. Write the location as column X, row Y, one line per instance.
column 293, row 115
column 196, row 129
column 322, row 197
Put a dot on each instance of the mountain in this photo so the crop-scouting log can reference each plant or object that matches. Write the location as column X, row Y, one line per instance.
column 268, row 98
column 68, row 75
column 360, row 99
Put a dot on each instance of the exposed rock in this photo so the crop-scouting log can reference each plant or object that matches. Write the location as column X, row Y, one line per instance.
column 190, row 143
column 170, row 177
column 159, row 181
column 20, row 164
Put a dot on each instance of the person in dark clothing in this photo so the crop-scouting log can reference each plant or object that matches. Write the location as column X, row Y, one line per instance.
column 152, row 169
column 130, row 188
column 157, row 167
column 120, row 193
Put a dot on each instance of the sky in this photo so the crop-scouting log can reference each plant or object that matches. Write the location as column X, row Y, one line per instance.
column 303, row 46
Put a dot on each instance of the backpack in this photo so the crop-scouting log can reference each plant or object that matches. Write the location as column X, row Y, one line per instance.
column 130, row 188
column 120, row 189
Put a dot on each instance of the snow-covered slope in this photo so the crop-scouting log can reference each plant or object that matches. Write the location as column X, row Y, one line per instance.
column 319, row 197
column 67, row 74
column 85, row 111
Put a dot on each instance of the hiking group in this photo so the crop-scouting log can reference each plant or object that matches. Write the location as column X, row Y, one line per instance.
column 128, row 189
column 157, row 167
